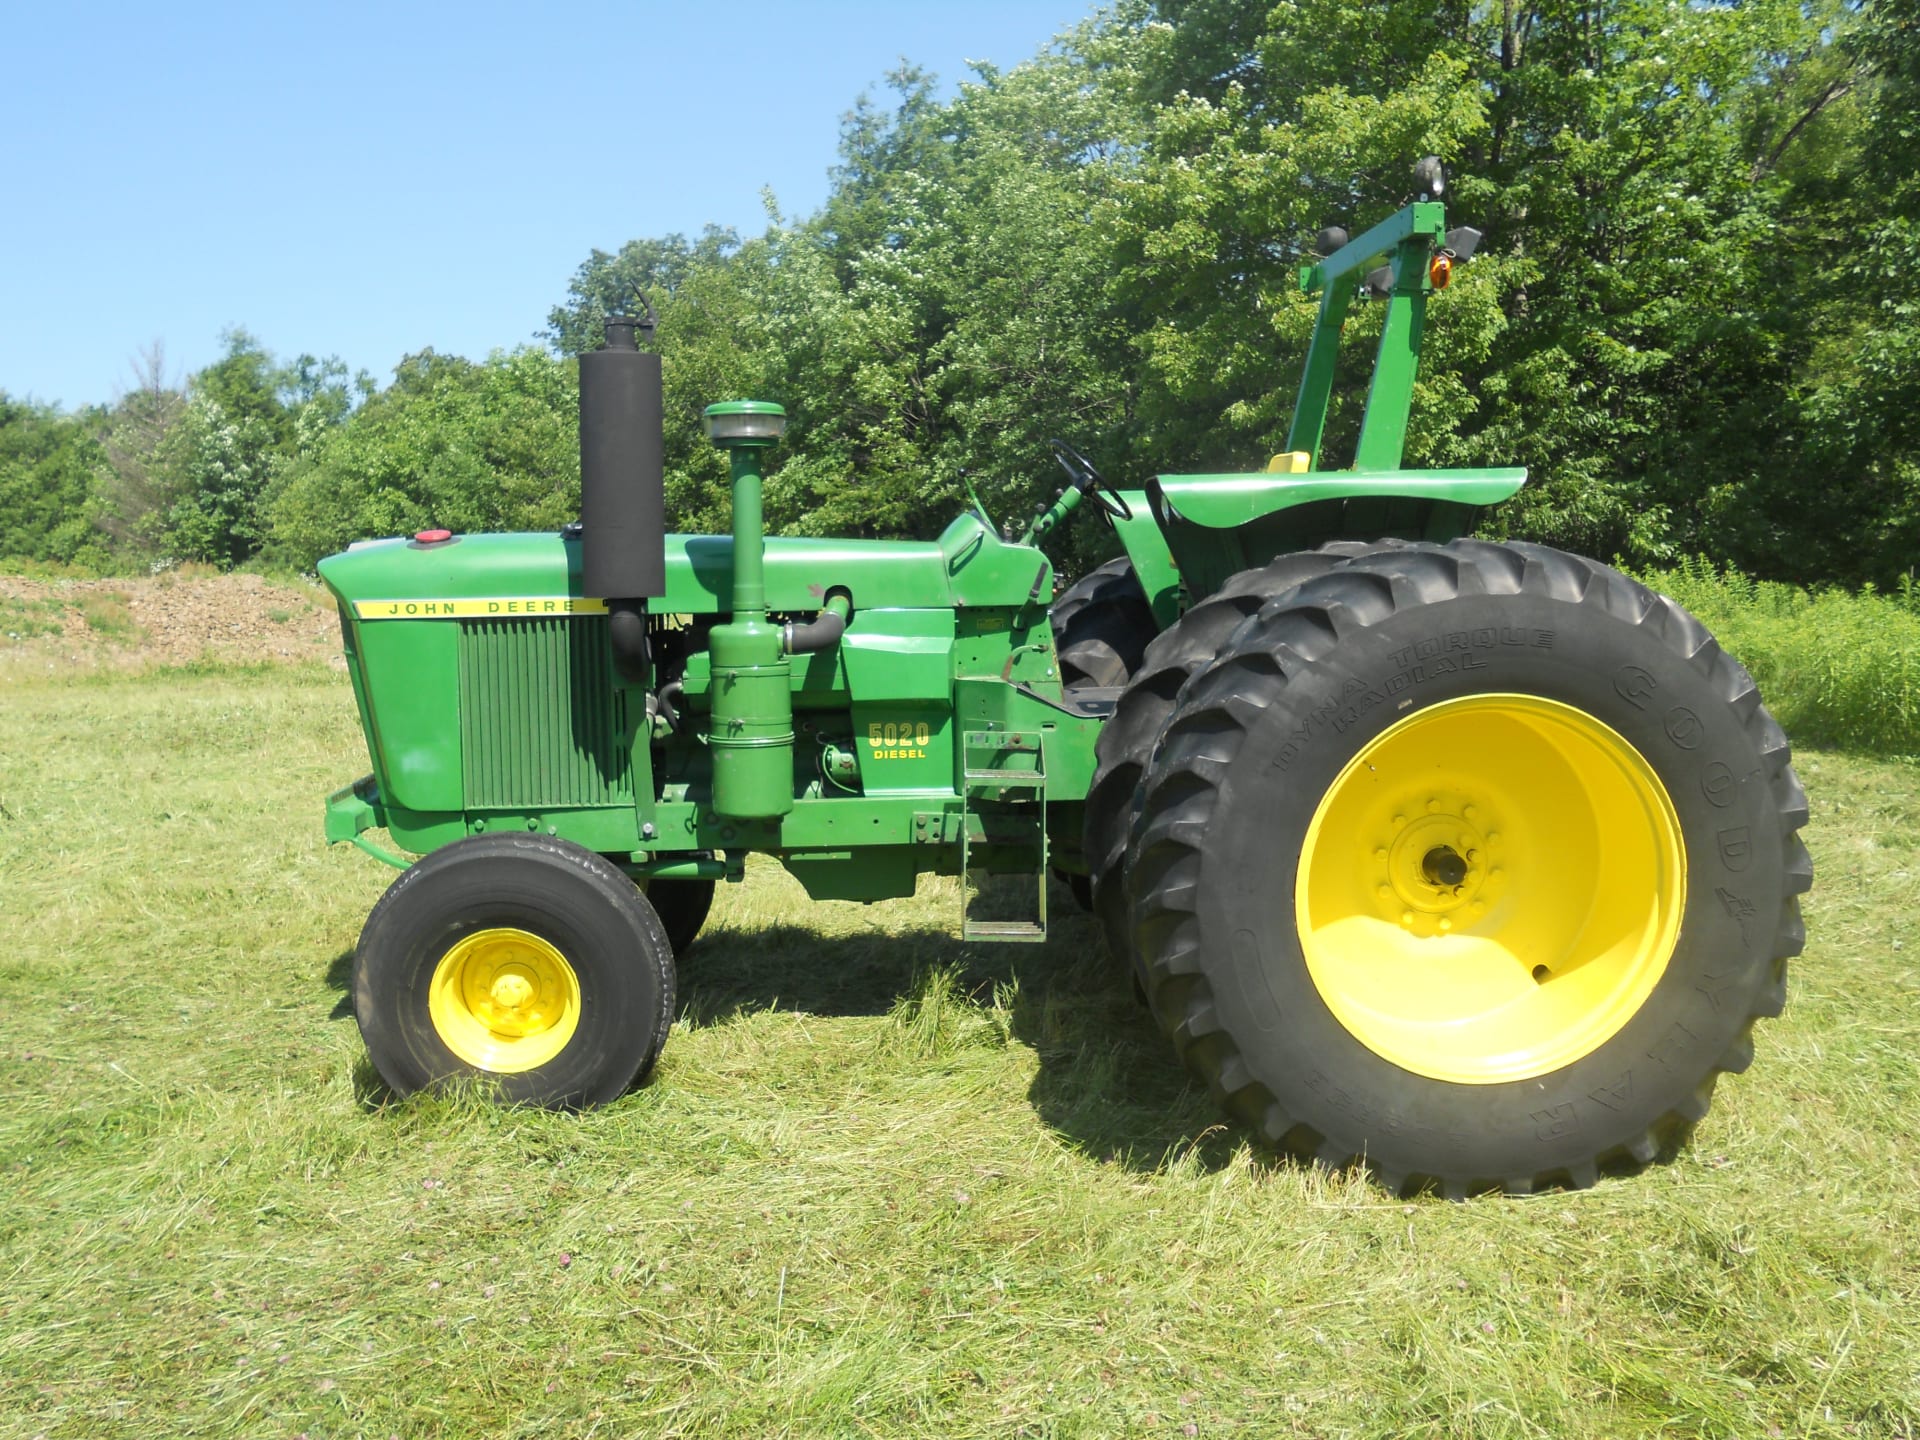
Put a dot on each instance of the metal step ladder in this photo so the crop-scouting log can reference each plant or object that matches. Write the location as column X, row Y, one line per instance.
column 1003, row 791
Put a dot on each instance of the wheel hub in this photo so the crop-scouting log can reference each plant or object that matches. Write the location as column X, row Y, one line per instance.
column 511, row 991
column 1444, row 867
column 1434, row 866
column 504, row 1000
column 1490, row 889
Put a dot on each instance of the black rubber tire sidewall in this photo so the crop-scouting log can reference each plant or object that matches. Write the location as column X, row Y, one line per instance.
column 575, row 900
column 683, row 907
column 1126, row 742
column 1735, row 846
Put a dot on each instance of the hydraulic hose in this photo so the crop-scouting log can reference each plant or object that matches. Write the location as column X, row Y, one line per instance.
column 823, row 632
column 668, row 699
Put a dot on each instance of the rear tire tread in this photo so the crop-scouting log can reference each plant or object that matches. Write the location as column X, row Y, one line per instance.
column 1101, row 624
column 1126, row 741
column 1208, row 728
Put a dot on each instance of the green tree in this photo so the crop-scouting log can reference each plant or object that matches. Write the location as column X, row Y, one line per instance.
column 235, row 427
column 490, row 446
column 1696, row 288
column 1853, row 508
column 939, row 318
column 138, row 438
column 1623, row 332
column 47, row 463
column 642, row 271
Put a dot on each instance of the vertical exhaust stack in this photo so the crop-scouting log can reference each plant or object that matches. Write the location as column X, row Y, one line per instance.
column 622, row 487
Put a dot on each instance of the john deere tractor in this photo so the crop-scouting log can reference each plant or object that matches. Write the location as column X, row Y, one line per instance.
column 1471, row 862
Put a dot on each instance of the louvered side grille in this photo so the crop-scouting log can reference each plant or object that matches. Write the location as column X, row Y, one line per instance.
column 538, row 723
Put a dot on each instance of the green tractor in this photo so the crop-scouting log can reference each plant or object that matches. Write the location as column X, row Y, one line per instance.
column 1474, row 863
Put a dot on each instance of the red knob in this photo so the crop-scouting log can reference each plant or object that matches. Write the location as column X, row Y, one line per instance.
column 433, row 537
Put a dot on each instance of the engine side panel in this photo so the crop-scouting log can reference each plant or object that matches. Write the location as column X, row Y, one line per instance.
column 486, row 690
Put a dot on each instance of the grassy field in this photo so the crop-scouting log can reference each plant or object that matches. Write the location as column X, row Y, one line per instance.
column 883, row 1184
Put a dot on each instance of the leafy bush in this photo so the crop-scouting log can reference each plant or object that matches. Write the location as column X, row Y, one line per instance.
column 46, row 470
column 492, row 446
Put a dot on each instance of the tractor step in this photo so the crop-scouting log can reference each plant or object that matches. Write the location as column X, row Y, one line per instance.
column 1003, row 781
column 1005, row 930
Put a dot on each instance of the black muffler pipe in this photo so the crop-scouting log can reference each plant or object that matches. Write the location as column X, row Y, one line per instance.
column 627, row 633
column 622, row 487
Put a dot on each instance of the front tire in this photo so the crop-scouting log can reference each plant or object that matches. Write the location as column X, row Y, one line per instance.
column 683, row 906
column 1475, row 863
column 1101, row 624
column 525, row 961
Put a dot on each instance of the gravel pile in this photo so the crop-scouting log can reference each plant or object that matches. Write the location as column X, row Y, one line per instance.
column 164, row 620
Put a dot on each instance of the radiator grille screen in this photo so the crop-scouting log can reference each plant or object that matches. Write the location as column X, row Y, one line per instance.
column 539, row 726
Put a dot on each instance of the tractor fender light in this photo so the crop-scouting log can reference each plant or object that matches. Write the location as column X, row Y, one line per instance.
column 1440, row 272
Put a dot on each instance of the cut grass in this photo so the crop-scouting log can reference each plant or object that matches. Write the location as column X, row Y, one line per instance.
column 883, row 1184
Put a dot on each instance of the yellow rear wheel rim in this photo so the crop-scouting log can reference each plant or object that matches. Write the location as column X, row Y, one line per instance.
column 504, row 1000
column 1491, row 889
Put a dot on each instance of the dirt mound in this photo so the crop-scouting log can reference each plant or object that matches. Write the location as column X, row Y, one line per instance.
column 166, row 619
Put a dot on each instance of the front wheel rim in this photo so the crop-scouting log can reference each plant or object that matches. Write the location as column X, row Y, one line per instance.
column 1491, row 889
column 504, row 1000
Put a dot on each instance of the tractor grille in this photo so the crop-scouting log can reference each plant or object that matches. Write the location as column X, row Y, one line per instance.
column 540, row 721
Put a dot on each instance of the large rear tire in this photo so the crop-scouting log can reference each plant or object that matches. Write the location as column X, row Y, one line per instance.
column 1126, row 741
column 1101, row 627
column 1472, row 863
column 524, row 961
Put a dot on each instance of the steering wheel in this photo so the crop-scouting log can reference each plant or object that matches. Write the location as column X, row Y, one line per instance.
column 1089, row 481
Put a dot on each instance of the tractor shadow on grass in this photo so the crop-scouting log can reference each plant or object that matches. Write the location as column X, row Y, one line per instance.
column 1108, row 1081
column 370, row 1092
column 340, row 977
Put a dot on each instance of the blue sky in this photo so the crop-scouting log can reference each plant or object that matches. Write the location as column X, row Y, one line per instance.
column 367, row 180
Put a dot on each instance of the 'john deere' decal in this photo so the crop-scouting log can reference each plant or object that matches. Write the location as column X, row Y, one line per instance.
column 500, row 607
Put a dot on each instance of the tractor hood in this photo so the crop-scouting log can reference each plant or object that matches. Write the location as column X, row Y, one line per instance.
column 482, row 576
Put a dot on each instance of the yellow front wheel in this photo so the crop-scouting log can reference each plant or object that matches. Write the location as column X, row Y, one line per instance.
column 504, row 1000
column 521, row 961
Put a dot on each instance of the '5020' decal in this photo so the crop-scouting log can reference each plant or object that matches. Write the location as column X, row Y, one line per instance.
column 902, row 740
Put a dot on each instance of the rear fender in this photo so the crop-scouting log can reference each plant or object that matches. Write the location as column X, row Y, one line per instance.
column 1213, row 526
column 1153, row 564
